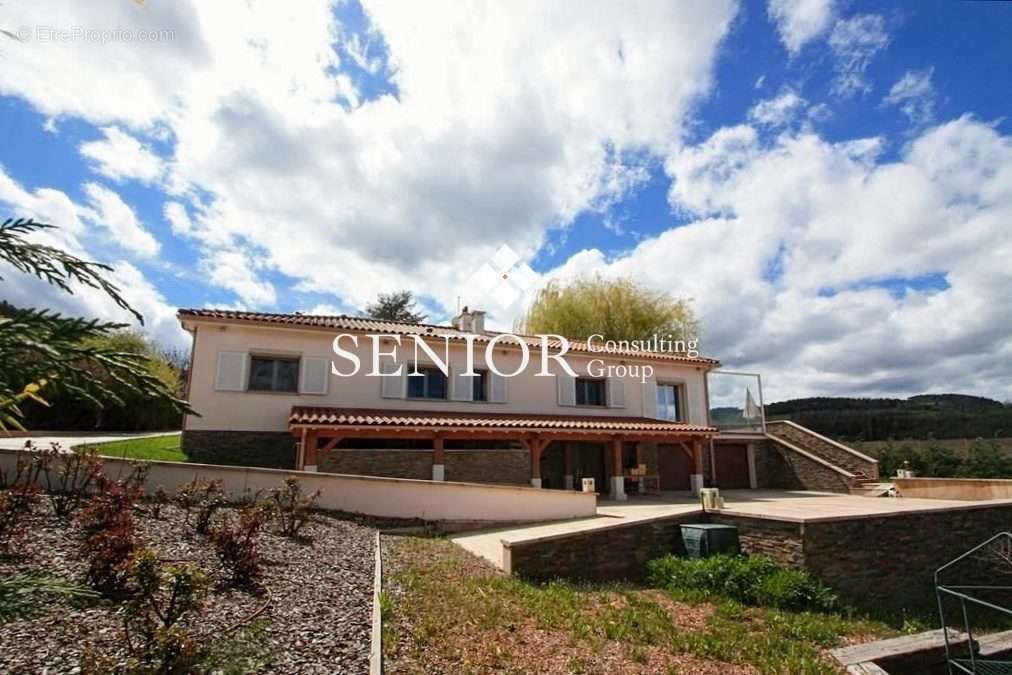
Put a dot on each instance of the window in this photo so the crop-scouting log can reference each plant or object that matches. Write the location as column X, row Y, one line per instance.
column 589, row 391
column 268, row 373
column 669, row 407
column 480, row 384
column 428, row 383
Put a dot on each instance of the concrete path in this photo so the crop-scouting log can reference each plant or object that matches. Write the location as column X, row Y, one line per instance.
column 69, row 440
column 794, row 506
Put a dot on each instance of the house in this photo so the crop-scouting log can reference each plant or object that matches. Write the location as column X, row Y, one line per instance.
column 360, row 396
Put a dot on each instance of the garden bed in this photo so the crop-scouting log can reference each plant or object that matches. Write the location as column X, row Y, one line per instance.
column 309, row 612
column 447, row 611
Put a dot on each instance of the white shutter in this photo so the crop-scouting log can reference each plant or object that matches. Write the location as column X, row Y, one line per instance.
column 461, row 386
column 392, row 386
column 231, row 373
column 567, row 388
column 615, row 391
column 650, row 399
column 497, row 388
column 313, row 378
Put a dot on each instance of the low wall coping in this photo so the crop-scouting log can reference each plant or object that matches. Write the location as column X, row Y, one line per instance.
column 551, row 494
column 968, row 506
column 604, row 527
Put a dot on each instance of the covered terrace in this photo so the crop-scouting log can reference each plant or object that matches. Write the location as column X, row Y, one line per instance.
column 620, row 441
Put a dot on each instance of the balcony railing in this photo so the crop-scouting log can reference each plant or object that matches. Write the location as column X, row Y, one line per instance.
column 736, row 401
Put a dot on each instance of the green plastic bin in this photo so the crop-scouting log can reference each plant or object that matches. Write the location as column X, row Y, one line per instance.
column 706, row 539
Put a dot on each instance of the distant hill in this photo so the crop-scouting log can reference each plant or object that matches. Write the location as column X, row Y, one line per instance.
column 877, row 419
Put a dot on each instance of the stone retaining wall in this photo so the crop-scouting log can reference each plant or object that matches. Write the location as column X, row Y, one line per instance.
column 883, row 562
column 269, row 449
column 609, row 554
column 779, row 467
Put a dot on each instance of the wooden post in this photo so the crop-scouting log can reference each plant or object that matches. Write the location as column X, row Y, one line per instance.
column 696, row 479
column 438, row 459
column 535, row 445
column 567, row 478
column 617, row 474
column 309, row 450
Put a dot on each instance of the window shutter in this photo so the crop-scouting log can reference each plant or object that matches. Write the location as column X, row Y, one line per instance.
column 615, row 391
column 567, row 388
column 390, row 386
column 497, row 388
column 231, row 373
column 313, row 378
column 650, row 399
column 461, row 386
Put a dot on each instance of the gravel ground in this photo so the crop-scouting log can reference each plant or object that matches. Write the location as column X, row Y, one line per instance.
column 318, row 620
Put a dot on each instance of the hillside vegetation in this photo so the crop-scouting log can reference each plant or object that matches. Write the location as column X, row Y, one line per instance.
column 928, row 416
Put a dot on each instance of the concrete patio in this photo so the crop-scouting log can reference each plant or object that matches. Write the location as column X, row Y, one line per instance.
column 778, row 505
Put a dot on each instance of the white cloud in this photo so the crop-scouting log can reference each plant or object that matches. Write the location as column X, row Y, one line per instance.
column 56, row 208
column 794, row 238
column 855, row 42
column 914, row 95
column 108, row 210
column 120, row 156
column 178, row 218
column 777, row 111
column 800, row 21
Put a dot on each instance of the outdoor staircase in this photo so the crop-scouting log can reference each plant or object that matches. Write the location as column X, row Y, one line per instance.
column 856, row 471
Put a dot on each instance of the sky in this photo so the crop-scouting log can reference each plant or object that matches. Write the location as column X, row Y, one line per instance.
column 829, row 183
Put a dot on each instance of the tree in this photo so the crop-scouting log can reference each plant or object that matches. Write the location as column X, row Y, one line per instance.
column 136, row 413
column 398, row 306
column 43, row 352
column 618, row 309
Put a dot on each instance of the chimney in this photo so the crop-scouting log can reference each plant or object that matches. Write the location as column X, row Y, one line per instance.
column 469, row 321
column 463, row 321
column 477, row 322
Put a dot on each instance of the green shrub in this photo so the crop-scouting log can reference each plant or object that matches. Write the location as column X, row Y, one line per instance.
column 751, row 580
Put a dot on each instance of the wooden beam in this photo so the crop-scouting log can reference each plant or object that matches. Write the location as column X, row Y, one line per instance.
column 331, row 444
column 495, row 433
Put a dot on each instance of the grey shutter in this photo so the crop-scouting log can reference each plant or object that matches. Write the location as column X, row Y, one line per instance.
column 650, row 399
column 391, row 386
column 615, row 391
column 567, row 388
column 497, row 388
column 313, row 378
column 231, row 372
column 461, row 386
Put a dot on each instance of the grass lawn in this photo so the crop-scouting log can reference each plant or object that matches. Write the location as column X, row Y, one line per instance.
column 446, row 611
column 164, row 448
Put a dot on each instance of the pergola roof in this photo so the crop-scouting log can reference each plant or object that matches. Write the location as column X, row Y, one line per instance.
column 400, row 420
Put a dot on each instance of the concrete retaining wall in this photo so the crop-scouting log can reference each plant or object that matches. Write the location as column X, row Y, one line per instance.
column 379, row 497
column 970, row 489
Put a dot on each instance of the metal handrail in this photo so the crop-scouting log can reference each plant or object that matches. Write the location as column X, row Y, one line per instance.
column 953, row 590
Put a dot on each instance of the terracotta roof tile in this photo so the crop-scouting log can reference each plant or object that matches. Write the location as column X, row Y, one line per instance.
column 366, row 325
column 362, row 417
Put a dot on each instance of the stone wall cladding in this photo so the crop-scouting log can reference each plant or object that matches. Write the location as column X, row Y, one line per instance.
column 776, row 539
column 602, row 555
column 270, row 449
column 893, row 559
column 823, row 449
column 385, row 463
column 785, row 469
column 512, row 467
